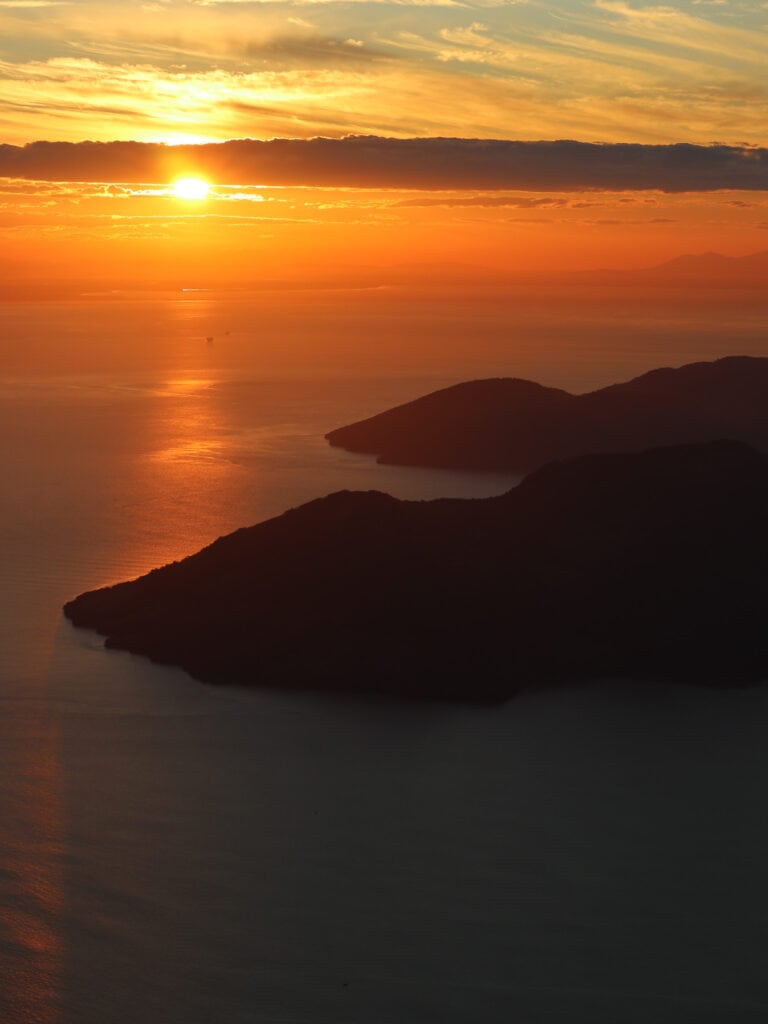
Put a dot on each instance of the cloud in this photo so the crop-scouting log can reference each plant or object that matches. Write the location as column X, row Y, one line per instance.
column 597, row 70
column 395, row 3
column 513, row 202
column 376, row 162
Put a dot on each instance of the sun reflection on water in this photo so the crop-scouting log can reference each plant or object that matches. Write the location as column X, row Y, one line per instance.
column 35, row 845
column 184, row 479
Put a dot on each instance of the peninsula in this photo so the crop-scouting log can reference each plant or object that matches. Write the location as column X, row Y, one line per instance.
column 651, row 564
column 515, row 425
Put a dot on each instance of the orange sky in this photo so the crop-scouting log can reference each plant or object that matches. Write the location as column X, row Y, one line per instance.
column 170, row 71
column 246, row 235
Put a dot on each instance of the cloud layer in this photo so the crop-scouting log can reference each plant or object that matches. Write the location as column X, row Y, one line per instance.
column 374, row 162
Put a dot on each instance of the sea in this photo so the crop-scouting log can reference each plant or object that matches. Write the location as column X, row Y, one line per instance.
column 175, row 853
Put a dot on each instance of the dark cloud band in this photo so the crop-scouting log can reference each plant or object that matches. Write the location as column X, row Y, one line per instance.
column 373, row 162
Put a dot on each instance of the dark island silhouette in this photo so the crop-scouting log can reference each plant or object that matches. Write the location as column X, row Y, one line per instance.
column 515, row 425
column 650, row 565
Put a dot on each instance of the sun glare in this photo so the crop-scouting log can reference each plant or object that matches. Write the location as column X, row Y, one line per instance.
column 191, row 188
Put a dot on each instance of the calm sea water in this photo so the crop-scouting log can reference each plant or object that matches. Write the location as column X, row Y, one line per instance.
column 176, row 853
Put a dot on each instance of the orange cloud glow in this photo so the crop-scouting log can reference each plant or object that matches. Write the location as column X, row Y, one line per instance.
column 602, row 71
column 364, row 138
column 135, row 235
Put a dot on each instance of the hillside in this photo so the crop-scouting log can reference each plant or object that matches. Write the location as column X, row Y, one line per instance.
column 513, row 425
column 652, row 565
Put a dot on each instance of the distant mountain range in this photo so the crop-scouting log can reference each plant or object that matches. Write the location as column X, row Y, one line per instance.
column 687, row 271
column 711, row 268
column 716, row 263
column 652, row 565
column 515, row 425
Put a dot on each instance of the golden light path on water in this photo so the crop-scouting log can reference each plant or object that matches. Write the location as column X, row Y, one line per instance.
column 34, row 858
column 179, row 451
column 181, row 455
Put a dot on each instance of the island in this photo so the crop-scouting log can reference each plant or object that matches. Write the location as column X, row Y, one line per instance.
column 651, row 565
column 511, row 425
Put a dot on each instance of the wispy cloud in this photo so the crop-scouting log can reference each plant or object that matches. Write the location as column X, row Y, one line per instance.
column 30, row 4
column 597, row 70
column 309, row 3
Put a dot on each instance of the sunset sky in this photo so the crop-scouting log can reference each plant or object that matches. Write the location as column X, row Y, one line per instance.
column 203, row 71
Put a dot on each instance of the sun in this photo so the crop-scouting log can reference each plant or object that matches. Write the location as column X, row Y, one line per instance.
column 191, row 188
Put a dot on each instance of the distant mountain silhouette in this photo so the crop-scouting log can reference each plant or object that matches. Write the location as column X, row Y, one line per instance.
column 652, row 565
column 515, row 425
column 714, row 263
column 710, row 269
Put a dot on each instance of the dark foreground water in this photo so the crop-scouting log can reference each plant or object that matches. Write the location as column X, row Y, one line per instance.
column 175, row 853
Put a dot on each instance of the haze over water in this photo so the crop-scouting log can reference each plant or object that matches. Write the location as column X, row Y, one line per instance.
column 172, row 852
